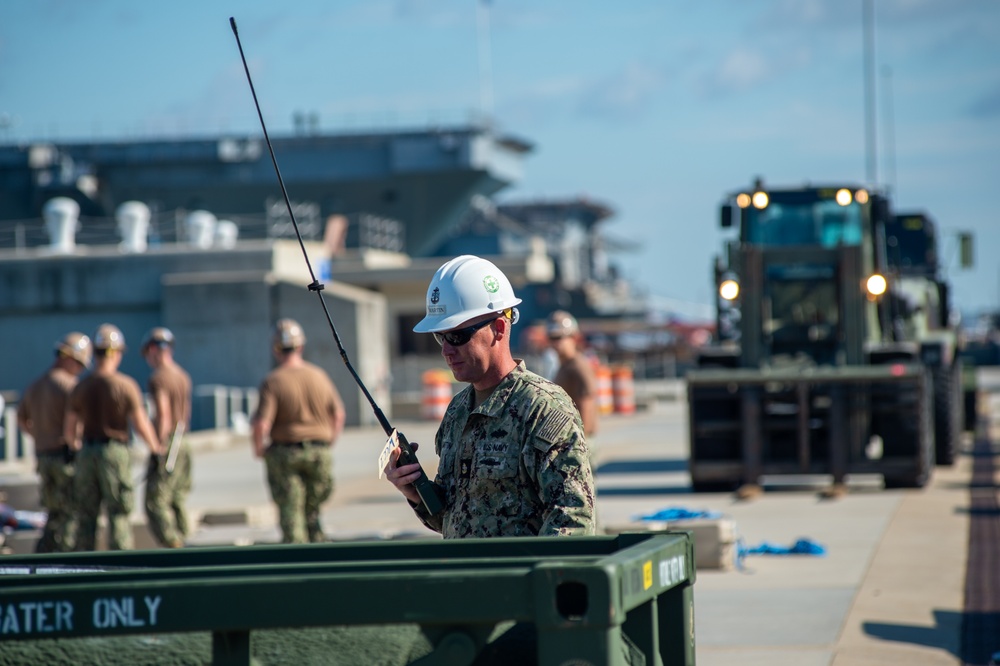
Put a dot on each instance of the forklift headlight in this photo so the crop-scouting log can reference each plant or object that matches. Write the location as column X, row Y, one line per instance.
column 743, row 200
column 760, row 200
column 861, row 196
column 729, row 289
column 876, row 285
column 844, row 197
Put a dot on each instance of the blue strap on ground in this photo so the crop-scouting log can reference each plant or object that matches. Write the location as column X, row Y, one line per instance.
column 678, row 513
column 800, row 547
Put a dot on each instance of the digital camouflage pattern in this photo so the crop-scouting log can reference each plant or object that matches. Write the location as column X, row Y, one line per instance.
column 103, row 477
column 166, row 494
column 42, row 410
column 55, row 477
column 300, row 479
column 516, row 465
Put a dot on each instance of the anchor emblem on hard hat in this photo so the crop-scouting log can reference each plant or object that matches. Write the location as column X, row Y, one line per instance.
column 435, row 295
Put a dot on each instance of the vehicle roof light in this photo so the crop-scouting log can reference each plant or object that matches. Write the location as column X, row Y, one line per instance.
column 861, row 196
column 729, row 289
column 743, row 200
column 876, row 285
column 844, row 197
column 760, row 200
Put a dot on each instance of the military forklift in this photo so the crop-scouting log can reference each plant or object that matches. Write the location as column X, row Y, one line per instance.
column 912, row 249
column 826, row 362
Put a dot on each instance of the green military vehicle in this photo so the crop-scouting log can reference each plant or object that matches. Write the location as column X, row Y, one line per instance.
column 826, row 362
column 912, row 251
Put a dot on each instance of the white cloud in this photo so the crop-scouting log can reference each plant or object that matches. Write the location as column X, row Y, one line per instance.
column 744, row 68
column 625, row 93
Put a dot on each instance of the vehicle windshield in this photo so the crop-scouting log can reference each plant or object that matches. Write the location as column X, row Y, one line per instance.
column 911, row 247
column 803, row 222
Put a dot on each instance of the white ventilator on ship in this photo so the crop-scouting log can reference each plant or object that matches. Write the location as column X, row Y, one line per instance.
column 133, row 225
column 62, row 218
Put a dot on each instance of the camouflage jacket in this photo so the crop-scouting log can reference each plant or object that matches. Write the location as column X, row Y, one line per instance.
column 517, row 465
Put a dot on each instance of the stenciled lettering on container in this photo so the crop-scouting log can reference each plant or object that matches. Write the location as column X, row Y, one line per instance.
column 124, row 612
column 28, row 618
column 672, row 570
column 36, row 617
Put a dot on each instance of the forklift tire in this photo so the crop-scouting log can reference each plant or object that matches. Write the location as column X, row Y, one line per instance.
column 946, row 416
column 714, row 486
column 969, row 416
column 910, row 480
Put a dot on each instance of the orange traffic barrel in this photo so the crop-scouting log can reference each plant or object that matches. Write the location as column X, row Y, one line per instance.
column 623, row 389
column 605, row 398
column 436, row 395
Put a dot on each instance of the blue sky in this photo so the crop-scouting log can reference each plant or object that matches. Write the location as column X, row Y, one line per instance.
column 656, row 108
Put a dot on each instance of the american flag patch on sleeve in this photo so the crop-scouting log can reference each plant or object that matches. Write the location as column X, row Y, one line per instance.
column 554, row 424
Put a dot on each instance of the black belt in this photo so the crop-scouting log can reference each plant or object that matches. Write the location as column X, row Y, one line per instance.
column 100, row 442
column 301, row 445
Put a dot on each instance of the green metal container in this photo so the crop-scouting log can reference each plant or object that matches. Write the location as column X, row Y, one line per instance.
column 625, row 599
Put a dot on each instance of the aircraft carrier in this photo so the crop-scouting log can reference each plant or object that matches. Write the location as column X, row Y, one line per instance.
column 422, row 178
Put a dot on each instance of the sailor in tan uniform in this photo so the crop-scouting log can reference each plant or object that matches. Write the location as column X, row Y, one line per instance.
column 101, row 408
column 168, row 481
column 575, row 373
column 41, row 413
column 302, row 414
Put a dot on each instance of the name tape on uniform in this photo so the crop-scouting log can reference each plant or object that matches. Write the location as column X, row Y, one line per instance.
column 383, row 458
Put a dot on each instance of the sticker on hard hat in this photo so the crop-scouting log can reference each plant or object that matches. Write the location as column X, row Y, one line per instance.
column 435, row 295
column 492, row 284
column 436, row 309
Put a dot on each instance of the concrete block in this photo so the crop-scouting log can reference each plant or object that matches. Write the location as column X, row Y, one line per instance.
column 21, row 492
column 222, row 517
column 19, row 542
column 714, row 538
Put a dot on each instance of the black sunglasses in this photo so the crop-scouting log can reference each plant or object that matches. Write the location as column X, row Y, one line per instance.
column 460, row 336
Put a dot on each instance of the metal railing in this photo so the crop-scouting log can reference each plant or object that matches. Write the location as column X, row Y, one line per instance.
column 213, row 407
column 364, row 230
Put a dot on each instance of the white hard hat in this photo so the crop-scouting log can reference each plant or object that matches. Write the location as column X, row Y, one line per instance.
column 109, row 336
column 562, row 324
column 76, row 346
column 462, row 289
column 288, row 334
column 158, row 336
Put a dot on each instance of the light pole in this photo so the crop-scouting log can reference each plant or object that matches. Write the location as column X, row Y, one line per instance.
column 485, row 64
column 870, row 119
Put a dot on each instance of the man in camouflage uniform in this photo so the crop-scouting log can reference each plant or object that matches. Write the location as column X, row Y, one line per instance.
column 168, row 481
column 100, row 410
column 41, row 413
column 513, row 456
column 301, row 412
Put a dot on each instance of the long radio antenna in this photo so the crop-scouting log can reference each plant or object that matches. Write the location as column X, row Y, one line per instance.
column 315, row 285
column 431, row 495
